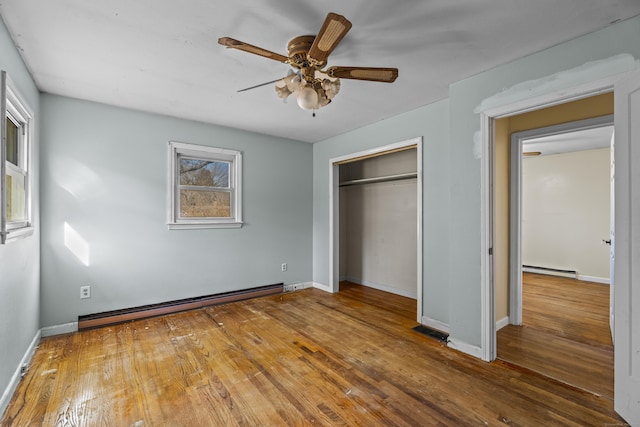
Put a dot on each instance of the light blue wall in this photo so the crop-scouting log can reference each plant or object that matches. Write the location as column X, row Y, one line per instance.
column 562, row 66
column 19, row 260
column 431, row 123
column 452, row 216
column 104, row 173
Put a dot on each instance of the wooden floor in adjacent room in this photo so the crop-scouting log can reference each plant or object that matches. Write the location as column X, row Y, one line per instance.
column 306, row 358
column 565, row 333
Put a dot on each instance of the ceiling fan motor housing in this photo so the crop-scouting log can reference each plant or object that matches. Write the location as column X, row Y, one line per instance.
column 298, row 49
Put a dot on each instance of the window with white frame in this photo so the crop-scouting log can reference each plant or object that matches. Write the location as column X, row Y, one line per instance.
column 205, row 187
column 15, row 189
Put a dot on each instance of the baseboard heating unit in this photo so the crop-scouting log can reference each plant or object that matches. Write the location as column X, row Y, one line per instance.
column 550, row 271
column 97, row 320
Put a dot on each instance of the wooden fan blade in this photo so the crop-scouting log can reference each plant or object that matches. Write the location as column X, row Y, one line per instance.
column 386, row 75
column 237, row 44
column 333, row 30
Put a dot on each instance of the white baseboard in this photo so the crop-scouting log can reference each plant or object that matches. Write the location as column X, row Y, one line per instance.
column 322, row 287
column 435, row 324
column 595, row 279
column 65, row 328
column 603, row 280
column 386, row 288
column 502, row 323
column 464, row 347
column 17, row 375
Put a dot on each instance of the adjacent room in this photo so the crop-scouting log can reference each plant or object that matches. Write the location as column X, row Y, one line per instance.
column 294, row 213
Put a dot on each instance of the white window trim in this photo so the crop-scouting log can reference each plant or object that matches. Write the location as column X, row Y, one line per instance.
column 12, row 101
column 204, row 152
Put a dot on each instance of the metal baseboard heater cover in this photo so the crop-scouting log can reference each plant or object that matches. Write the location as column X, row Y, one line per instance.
column 97, row 320
column 549, row 270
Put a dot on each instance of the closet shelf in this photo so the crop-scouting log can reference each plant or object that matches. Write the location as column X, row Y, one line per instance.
column 387, row 178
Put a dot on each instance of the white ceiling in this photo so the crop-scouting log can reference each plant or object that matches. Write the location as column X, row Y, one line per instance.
column 162, row 56
column 587, row 139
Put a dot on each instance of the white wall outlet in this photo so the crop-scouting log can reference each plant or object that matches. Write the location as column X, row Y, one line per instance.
column 85, row 292
column 284, row 266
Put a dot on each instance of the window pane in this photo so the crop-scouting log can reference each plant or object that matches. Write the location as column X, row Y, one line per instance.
column 16, row 201
column 12, row 142
column 205, row 173
column 205, row 204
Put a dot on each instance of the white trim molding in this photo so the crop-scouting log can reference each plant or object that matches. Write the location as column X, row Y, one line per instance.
column 17, row 375
column 382, row 287
column 464, row 347
column 66, row 328
column 488, row 337
column 594, row 279
column 323, row 287
column 435, row 324
column 502, row 323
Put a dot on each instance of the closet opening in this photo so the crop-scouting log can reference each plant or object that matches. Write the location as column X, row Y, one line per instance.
column 377, row 220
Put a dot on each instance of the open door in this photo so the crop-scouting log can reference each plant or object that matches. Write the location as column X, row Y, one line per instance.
column 612, row 240
column 627, row 260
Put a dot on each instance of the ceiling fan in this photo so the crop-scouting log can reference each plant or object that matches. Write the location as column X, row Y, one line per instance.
column 313, row 86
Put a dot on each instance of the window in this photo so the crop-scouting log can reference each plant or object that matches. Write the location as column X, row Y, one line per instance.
column 15, row 188
column 204, row 187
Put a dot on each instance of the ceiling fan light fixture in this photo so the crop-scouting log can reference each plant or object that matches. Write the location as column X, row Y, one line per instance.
column 331, row 87
column 293, row 82
column 282, row 91
column 308, row 98
column 313, row 86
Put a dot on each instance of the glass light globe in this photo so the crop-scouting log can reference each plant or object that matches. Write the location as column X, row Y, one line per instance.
column 293, row 82
column 331, row 88
column 308, row 98
column 282, row 91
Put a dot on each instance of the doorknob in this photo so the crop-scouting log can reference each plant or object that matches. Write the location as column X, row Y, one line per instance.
column 606, row 242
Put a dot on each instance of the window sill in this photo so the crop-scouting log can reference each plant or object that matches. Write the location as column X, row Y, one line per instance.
column 201, row 225
column 16, row 234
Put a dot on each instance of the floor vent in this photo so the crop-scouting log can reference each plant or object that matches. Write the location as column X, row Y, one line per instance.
column 425, row 330
column 97, row 320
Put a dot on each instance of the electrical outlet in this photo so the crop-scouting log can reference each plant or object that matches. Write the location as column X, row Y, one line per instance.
column 284, row 266
column 85, row 292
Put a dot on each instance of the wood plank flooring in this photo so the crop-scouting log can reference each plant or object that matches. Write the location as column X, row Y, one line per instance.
column 308, row 358
column 565, row 333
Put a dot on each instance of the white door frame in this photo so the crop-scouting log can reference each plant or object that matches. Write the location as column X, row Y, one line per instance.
column 487, row 129
column 334, row 212
column 515, row 211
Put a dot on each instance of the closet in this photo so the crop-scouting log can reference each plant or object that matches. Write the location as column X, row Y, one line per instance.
column 378, row 221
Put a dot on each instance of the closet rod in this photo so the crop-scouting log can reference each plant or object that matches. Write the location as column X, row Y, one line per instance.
column 387, row 178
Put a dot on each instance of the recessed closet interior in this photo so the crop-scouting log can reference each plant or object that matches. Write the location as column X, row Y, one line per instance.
column 379, row 221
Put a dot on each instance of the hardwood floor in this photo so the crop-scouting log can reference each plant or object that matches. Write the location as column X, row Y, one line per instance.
column 308, row 358
column 565, row 333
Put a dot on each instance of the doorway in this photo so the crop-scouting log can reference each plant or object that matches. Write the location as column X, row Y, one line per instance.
column 564, row 170
column 627, row 205
column 560, row 214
